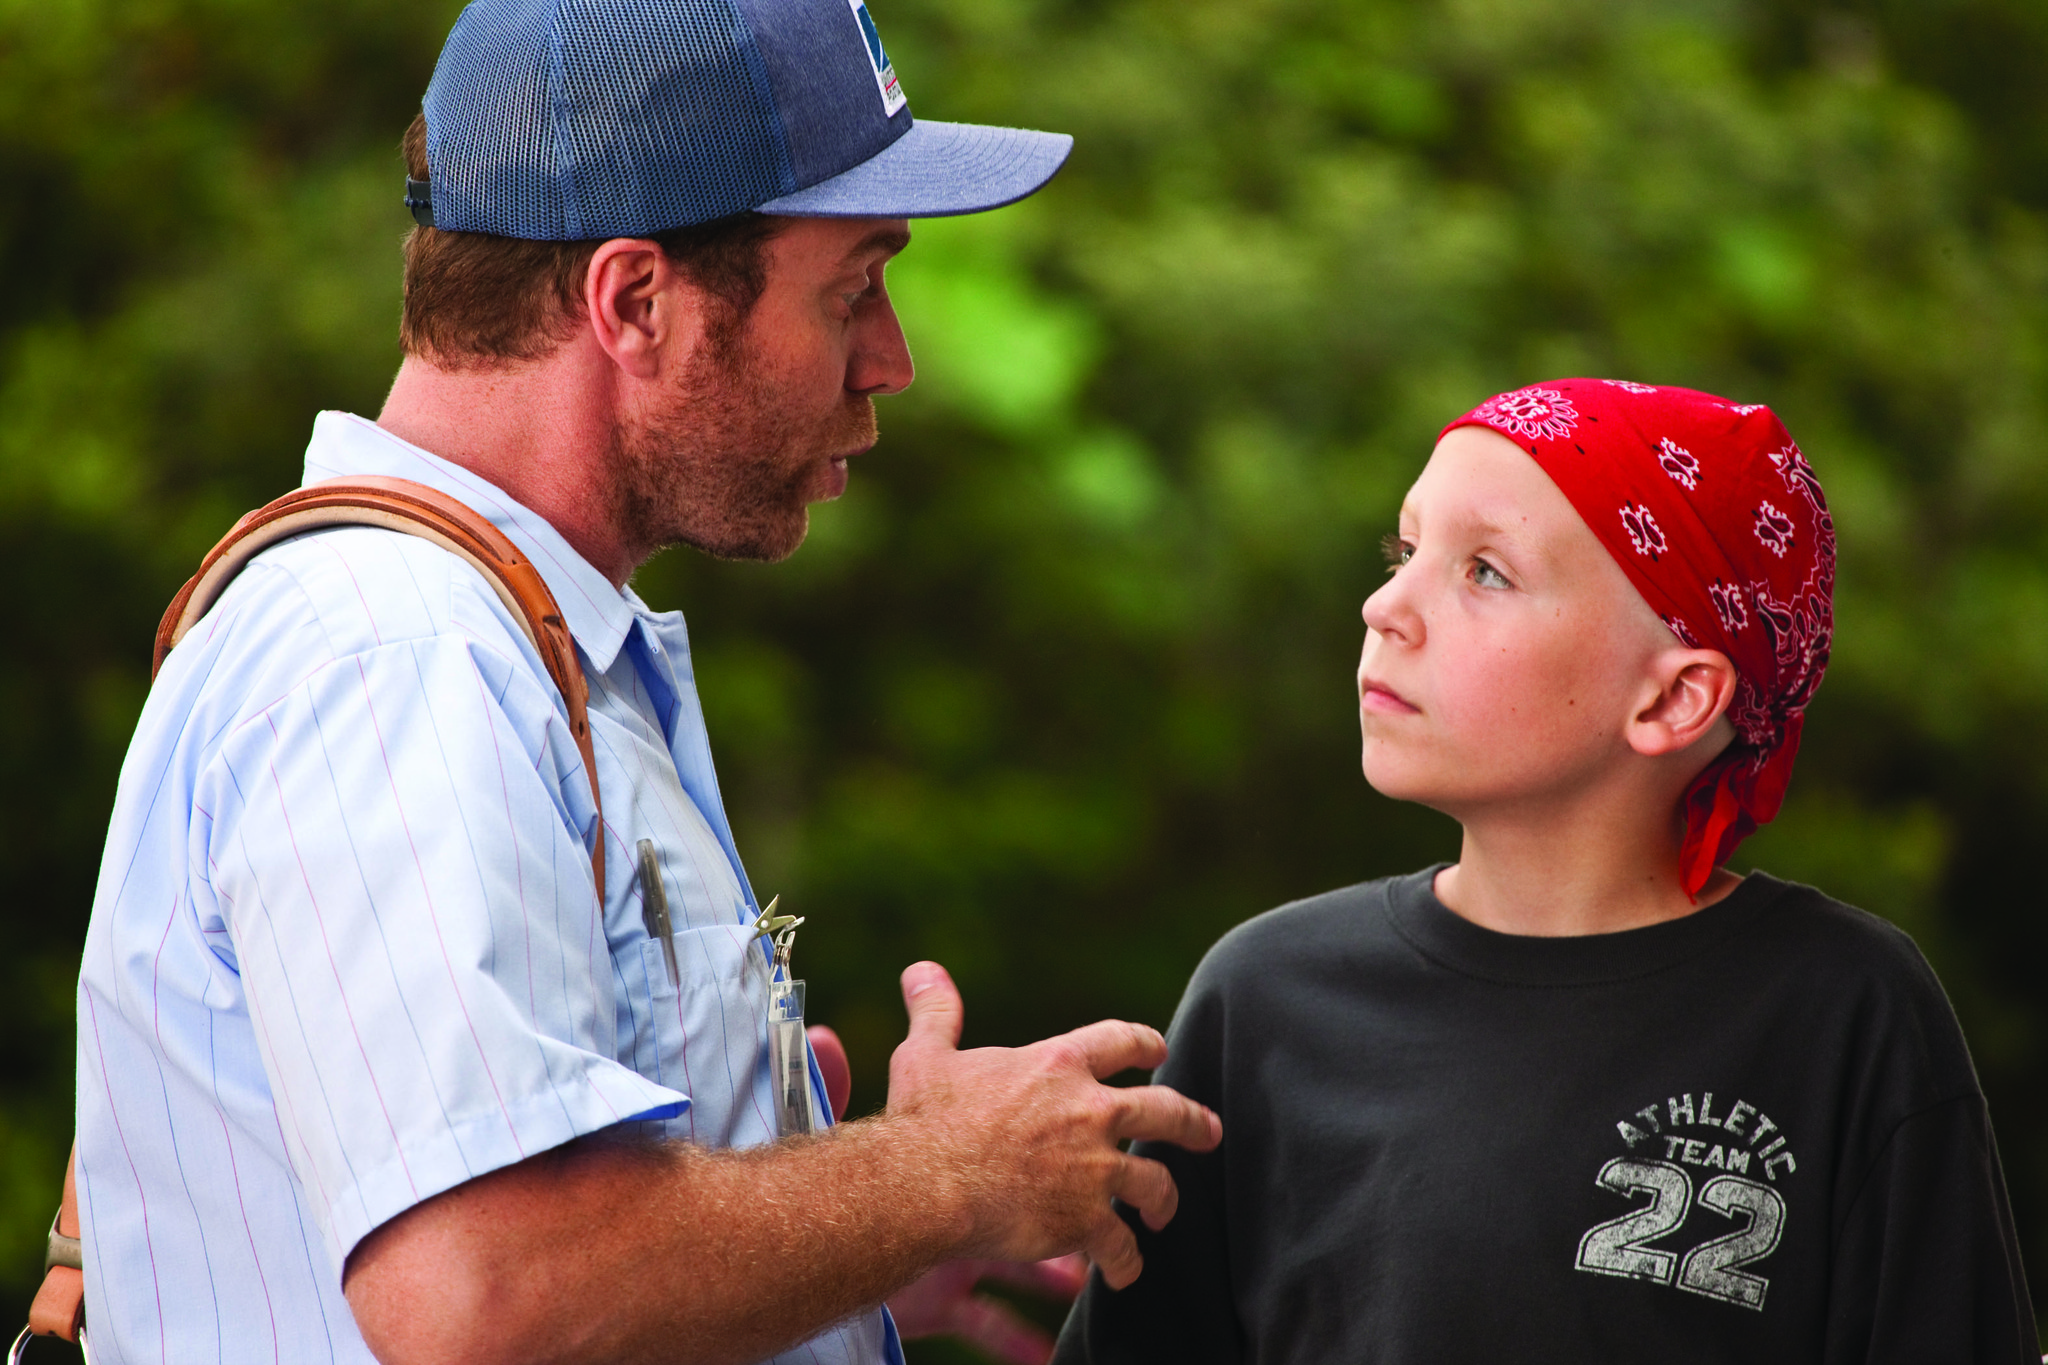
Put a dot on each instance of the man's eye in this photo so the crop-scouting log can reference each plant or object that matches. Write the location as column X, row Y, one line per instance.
column 1396, row 551
column 1486, row 576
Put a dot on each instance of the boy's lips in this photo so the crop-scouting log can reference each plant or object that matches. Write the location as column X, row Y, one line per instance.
column 1374, row 695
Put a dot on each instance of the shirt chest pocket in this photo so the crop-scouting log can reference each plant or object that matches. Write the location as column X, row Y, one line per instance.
column 707, row 1036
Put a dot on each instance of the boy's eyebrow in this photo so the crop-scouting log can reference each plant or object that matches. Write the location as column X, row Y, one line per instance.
column 1485, row 527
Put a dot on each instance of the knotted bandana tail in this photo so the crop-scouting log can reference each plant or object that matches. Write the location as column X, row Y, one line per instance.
column 1721, row 525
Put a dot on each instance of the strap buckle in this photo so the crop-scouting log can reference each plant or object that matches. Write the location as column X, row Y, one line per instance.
column 62, row 1250
column 27, row 1333
column 419, row 197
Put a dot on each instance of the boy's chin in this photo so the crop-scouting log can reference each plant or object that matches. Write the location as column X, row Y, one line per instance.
column 1399, row 781
column 1448, row 789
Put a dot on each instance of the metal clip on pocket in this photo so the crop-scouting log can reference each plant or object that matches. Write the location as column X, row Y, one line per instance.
column 789, row 1058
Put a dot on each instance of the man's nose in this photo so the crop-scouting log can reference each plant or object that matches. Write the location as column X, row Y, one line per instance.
column 880, row 362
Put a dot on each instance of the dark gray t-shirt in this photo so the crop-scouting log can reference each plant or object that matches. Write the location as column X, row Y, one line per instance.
column 1750, row 1134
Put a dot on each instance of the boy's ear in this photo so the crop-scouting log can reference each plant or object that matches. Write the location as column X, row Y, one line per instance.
column 1694, row 688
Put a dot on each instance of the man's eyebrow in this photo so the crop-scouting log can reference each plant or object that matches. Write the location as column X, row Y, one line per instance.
column 889, row 240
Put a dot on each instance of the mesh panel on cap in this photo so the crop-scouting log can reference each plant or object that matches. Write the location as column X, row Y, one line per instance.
column 572, row 119
column 489, row 148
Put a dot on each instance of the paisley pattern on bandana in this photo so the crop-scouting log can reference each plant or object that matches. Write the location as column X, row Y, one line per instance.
column 1774, row 529
column 1728, row 606
column 1678, row 462
column 1800, row 479
column 1643, row 531
column 1725, row 531
column 1540, row 413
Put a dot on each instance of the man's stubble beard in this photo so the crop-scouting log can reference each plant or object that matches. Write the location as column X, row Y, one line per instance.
column 725, row 463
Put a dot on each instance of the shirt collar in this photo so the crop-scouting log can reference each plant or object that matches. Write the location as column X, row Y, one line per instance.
column 598, row 614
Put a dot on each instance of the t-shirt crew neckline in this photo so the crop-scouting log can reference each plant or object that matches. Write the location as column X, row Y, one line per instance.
column 1450, row 940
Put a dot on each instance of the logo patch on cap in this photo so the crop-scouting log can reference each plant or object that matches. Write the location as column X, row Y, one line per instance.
column 893, row 97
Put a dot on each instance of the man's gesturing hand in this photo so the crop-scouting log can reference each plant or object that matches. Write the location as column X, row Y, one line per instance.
column 1026, row 1138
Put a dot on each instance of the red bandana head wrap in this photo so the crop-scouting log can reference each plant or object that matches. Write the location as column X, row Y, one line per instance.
column 1720, row 523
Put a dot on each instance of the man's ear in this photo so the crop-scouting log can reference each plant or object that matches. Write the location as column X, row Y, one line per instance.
column 1694, row 688
column 638, row 305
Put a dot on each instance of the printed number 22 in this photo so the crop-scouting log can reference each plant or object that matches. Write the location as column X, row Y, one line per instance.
column 1710, row 1267
column 1617, row 1247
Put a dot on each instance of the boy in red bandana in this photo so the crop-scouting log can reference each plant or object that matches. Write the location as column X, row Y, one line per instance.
column 1584, row 1095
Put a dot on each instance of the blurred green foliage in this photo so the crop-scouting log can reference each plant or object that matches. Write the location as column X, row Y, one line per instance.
column 1062, row 688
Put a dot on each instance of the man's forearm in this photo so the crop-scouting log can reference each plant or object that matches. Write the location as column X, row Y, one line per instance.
column 616, row 1250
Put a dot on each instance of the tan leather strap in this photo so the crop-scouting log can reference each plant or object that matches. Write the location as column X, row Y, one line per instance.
column 59, row 1307
column 396, row 505
column 414, row 509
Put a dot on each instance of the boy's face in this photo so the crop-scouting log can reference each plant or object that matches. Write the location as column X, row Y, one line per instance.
column 1507, row 650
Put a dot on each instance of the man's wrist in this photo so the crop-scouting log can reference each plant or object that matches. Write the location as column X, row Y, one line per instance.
column 927, row 1182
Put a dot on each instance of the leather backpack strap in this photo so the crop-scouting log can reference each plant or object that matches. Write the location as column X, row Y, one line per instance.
column 59, row 1307
column 413, row 509
column 395, row 505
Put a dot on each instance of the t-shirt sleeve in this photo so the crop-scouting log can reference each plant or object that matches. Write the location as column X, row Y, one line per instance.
column 1927, row 1265
column 1181, row 1307
column 394, row 850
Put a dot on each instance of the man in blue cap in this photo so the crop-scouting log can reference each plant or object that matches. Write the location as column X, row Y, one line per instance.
column 372, row 1063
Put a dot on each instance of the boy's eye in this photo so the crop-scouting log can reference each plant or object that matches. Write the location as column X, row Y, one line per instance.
column 1396, row 551
column 1486, row 576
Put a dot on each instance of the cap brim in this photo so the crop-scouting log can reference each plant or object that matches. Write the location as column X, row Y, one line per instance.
column 935, row 170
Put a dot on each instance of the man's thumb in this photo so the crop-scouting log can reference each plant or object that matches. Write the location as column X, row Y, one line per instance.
column 934, row 1004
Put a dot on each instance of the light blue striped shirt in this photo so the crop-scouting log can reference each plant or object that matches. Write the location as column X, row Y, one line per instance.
column 346, row 951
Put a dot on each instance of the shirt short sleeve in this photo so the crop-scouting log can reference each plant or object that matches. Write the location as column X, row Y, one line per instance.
column 396, row 849
column 1927, row 1262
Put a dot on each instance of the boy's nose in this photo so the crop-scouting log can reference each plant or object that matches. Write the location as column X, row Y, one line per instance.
column 1390, row 613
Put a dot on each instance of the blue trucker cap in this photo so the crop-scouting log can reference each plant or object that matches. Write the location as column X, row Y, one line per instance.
column 564, row 120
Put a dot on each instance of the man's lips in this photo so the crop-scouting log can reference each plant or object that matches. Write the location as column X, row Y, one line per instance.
column 836, row 472
column 1374, row 695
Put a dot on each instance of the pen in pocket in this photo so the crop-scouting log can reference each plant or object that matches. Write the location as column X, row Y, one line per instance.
column 654, row 909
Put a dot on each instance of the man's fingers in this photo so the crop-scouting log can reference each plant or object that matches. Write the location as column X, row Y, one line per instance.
column 990, row 1326
column 1157, row 1113
column 1148, row 1187
column 934, row 1004
column 1060, row 1278
column 1113, row 1045
column 1114, row 1250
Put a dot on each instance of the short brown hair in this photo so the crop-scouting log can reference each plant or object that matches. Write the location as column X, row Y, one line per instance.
column 472, row 299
